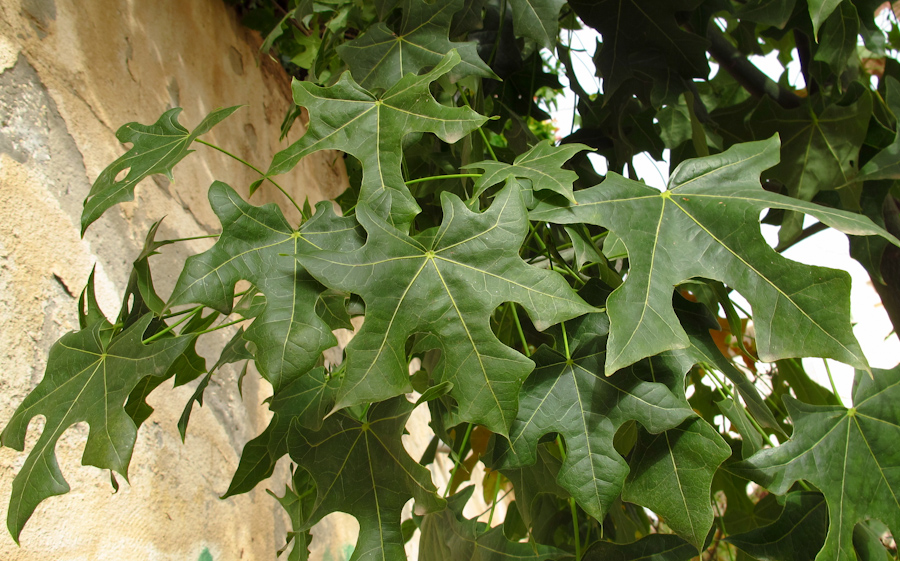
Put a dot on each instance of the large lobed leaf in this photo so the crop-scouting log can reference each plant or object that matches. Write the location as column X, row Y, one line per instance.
column 850, row 455
column 379, row 58
column 256, row 245
column 706, row 225
column 347, row 117
column 88, row 379
column 446, row 282
column 156, row 149
column 361, row 468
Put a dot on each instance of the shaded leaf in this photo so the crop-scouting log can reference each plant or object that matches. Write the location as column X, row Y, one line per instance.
column 297, row 501
column 886, row 164
column 819, row 10
column 797, row 535
column 448, row 536
column 446, row 282
column 346, row 117
column 87, row 379
column 655, row 547
column 379, row 58
column 671, row 474
column 705, row 225
column 851, row 455
column 361, row 468
column 155, row 149
column 538, row 20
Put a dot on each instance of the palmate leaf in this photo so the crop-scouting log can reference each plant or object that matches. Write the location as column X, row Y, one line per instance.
column 307, row 400
column 671, row 474
column 257, row 245
column 379, row 58
column 574, row 399
column 346, row 117
column 851, row 455
column 361, row 468
column 706, row 225
column 447, row 535
column 538, row 20
column 155, row 149
column 797, row 534
column 446, row 282
column 542, row 165
column 88, row 378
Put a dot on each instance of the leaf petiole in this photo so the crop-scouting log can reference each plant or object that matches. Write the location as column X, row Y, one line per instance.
column 169, row 328
column 438, row 177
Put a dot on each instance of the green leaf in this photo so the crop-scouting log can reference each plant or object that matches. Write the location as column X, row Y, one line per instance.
column 574, row 399
column 767, row 12
column 156, row 149
column 446, row 282
column 534, row 484
column 706, row 225
column 306, row 399
column 819, row 10
column 851, row 455
column 671, row 474
column 361, row 468
column 751, row 440
column 346, row 117
column 538, row 20
column 87, row 379
column 655, row 547
column 542, row 165
column 886, row 164
column 797, row 535
column 257, row 245
column 838, row 40
column 379, row 58
column 449, row 536
column 298, row 502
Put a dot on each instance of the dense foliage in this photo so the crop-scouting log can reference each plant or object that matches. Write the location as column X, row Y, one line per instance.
column 585, row 322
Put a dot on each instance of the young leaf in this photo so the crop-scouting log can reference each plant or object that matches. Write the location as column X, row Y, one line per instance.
column 542, row 165
column 346, row 117
column 361, row 468
column 447, row 535
column 446, row 282
column 379, row 58
column 155, row 149
column 256, row 244
column 706, row 225
column 574, row 399
column 306, row 399
column 797, row 535
column 671, row 474
column 87, row 379
column 851, row 455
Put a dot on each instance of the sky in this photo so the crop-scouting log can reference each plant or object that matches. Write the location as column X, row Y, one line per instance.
column 829, row 248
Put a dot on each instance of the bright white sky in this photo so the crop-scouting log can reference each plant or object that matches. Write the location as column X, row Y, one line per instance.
column 828, row 248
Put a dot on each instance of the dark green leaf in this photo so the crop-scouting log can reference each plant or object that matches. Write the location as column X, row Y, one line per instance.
column 538, row 20
column 886, row 164
column 156, row 149
column 361, row 468
column 671, row 474
column 379, row 58
column 851, row 455
column 346, row 117
column 655, row 547
column 87, row 379
column 705, row 225
column 797, row 535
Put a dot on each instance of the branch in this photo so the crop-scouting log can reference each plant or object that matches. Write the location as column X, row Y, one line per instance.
column 747, row 75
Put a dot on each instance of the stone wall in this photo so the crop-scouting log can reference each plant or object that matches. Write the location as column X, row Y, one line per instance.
column 71, row 73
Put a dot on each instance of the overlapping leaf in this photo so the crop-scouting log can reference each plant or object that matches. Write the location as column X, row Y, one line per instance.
column 256, row 245
column 379, row 58
column 361, row 468
column 306, row 399
column 574, row 399
column 542, row 165
column 655, row 547
column 671, row 474
column 88, row 378
column 886, row 164
column 706, row 225
column 447, row 282
column 447, row 535
column 851, row 455
column 538, row 20
column 155, row 149
column 797, row 534
column 346, row 117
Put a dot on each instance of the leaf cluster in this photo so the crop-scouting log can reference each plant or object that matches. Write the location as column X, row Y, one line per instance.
column 622, row 360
